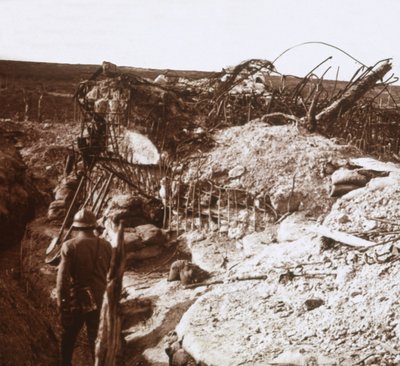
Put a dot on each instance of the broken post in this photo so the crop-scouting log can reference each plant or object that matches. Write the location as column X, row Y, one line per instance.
column 354, row 93
column 108, row 342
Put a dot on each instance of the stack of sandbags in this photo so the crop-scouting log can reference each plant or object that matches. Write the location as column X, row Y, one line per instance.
column 346, row 180
column 63, row 195
column 128, row 208
column 144, row 241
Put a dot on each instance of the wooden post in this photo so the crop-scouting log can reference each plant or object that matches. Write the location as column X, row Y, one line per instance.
column 199, row 208
column 178, row 193
column 193, row 205
column 229, row 206
column 108, row 342
column 209, row 206
column 219, row 208
column 187, row 206
column 255, row 215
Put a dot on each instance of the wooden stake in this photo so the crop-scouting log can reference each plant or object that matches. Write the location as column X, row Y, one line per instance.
column 219, row 209
column 229, row 213
column 199, row 208
column 193, row 204
column 209, row 206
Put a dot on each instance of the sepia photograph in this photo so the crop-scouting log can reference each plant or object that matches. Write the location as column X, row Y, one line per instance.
column 199, row 183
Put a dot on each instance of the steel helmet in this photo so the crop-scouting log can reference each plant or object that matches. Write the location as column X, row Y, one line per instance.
column 84, row 219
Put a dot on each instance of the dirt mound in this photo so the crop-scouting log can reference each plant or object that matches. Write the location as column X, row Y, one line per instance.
column 268, row 158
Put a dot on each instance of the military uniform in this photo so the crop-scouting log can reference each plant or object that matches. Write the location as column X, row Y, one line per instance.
column 85, row 261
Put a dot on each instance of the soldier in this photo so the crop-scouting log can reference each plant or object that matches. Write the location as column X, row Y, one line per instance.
column 81, row 283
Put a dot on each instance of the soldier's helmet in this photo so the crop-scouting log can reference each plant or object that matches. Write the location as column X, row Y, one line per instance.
column 84, row 219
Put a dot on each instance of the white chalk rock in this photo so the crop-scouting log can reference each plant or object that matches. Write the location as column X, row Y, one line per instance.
column 141, row 149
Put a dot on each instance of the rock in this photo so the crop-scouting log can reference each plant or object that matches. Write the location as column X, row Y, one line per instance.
column 140, row 149
column 161, row 79
column 280, row 201
column 236, row 172
column 156, row 356
column 294, row 227
column 312, row 304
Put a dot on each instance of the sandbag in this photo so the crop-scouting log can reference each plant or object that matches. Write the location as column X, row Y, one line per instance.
column 63, row 194
column 341, row 189
column 56, row 214
column 151, row 234
column 132, row 240
column 346, row 176
column 57, row 204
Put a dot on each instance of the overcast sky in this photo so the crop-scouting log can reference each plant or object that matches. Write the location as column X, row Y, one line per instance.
column 201, row 34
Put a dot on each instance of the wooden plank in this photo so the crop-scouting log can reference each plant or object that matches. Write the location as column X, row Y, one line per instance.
column 341, row 236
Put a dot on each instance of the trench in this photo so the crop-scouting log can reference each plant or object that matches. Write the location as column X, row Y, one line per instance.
column 27, row 335
column 146, row 320
column 29, row 319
